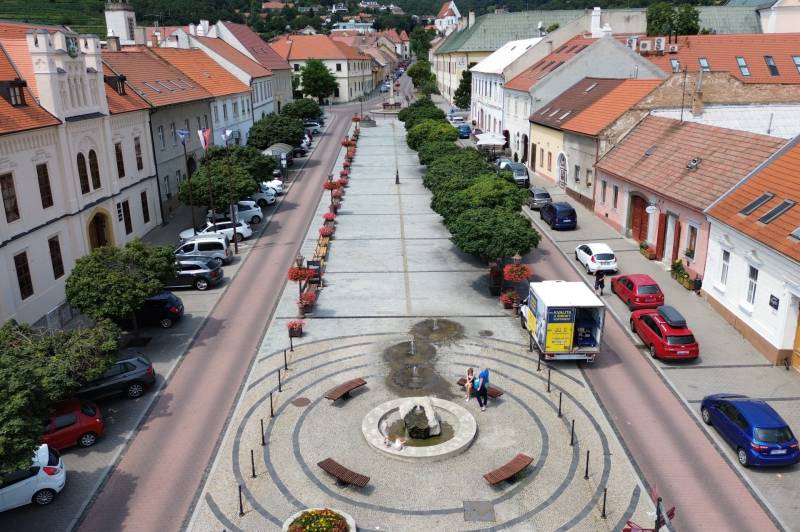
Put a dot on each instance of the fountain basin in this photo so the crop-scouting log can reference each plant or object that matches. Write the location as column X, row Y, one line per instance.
column 463, row 425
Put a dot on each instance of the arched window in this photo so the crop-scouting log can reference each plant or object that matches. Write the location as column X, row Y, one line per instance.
column 95, row 169
column 83, row 175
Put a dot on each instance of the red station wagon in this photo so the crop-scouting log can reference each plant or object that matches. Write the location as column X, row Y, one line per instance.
column 637, row 291
column 74, row 422
column 665, row 333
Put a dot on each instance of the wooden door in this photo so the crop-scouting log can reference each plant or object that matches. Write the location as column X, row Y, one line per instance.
column 639, row 219
column 676, row 241
column 796, row 349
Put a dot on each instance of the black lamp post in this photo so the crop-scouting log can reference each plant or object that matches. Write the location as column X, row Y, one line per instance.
column 227, row 136
column 184, row 134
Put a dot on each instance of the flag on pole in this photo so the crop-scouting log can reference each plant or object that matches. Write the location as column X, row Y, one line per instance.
column 226, row 135
column 184, row 135
column 205, row 138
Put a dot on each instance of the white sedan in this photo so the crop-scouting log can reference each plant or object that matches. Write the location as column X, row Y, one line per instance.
column 596, row 256
column 275, row 184
column 224, row 228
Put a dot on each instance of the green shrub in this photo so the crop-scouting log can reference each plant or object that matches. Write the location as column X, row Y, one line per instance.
column 433, row 150
column 424, row 113
column 467, row 162
column 493, row 233
column 429, row 131
column 411, row 109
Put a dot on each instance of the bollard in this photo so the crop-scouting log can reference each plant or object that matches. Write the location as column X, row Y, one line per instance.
column 291, row 344
column 279, row 380
column 539, row 363
column 530, row 343
column 271, row 411
column 263, row 443
column 241, row 506
column 586, row 473
column 572, row 435
column 285, row 363
column 397, row 177
column 603, row 513
column 559, row 404
column 252, row 463
column 548, row 380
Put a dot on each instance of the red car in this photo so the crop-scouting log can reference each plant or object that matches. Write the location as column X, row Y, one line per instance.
column 74, row 422
column 664, row 332
column 637, row 291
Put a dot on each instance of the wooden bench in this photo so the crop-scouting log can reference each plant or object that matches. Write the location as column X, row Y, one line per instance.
column 387, row 105
column 341, row 473
column 517, row 464
column 492, row 392
column 344, row 389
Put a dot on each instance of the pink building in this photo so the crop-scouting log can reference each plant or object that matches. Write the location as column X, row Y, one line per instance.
column 655, row 184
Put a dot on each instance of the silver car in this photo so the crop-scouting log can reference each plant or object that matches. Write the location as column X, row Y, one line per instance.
column 538, row 197
column 206, row 247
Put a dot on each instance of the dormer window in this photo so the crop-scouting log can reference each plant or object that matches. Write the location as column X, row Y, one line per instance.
column 117, row 83
column 12, row 91
column 17, row 96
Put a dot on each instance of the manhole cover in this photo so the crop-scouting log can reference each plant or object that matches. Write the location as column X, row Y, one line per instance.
column 485, row 333
column 479, row 511
column 301, row 401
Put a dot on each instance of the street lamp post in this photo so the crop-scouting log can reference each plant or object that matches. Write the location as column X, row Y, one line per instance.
column 184, row 136
column 226, row 137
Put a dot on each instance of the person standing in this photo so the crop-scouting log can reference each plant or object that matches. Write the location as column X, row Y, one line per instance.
column 599, row 282
column 482, row 388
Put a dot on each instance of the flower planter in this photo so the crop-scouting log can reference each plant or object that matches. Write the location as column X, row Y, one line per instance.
column 648, row 253
column 351, row 523
column 296, row 333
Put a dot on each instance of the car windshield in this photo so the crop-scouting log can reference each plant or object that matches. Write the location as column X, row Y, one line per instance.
column 542, row 195
column 648, row 289
column 680, row 340
column 780, row 435
column 604, row 256
column 88, row 409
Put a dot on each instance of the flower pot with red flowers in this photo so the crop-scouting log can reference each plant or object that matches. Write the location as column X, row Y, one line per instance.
column 330, row 218
column 334, row 207
column 346, row 141
column 344, row 173
column 343, row 181
column 326, row 231
column 306, row 301
column 319, row 519
column 331, row 185
column 338, row 194
column 346, row 164
column 356, row 119
column 516, row 273
column 300, row 275
column 295, row 328
column 509, row 298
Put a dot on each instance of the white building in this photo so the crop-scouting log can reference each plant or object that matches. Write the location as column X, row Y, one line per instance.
column 447, row 19
column 752, row 273
column 76, row 166
column 488, row 78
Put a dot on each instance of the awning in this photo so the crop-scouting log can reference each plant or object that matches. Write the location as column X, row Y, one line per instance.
column 490, row 139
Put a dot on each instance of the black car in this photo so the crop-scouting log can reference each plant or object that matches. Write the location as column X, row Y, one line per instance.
column 162, row 309
column 129, row 376
column 201, row 274
column 299, row 151
column 559, row 215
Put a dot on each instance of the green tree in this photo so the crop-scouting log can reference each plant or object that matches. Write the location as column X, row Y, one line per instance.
column 420, row 72
column 420, row 103
column 493, row 233
column 428, row 112
column 113, row 282
column 38, row 367
column 429, row 87
column 463, row 95
column 317, row 80
column 660, row 18
column 433, row 150
column 420, row 42
column 468, row 162
column 255, row 163
column 304, row 109
column 276, row 128
column 228, row 181
column 687, row 20
column 429, row 131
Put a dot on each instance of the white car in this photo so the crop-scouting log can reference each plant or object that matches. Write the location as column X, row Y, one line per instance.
column 247, row 210
column 596, row 256
column 224, row 227
column 38, row 484
column 275, row 184
column 456, row 120
column 264, row 196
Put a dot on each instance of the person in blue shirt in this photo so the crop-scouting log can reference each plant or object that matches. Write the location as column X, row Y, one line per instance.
column 481, row 385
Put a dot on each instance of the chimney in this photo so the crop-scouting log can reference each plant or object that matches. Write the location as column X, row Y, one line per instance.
column 471, row 19
column 155, row 39
column 594, row 26
column 112, row 43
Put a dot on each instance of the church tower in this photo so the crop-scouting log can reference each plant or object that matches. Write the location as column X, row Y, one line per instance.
column 121, row 21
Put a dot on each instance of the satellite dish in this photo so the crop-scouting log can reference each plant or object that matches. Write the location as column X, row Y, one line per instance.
column 651, row 209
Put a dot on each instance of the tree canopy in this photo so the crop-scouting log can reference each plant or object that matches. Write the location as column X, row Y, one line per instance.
column 276, row 128
column 493, row 233
column 420, row 42
column 227, row 178
column 427, row 153
column 463, row 95
column 255, row 163
column 428, row 112
column 304, row 109
column 317, row 80
column 429, row 130
column 663, row 17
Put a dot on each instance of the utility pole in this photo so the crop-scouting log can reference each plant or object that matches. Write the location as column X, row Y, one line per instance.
column 226, row 137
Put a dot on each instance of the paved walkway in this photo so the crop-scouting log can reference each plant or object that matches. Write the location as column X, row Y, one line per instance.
column 728, row 363
column 392, row 270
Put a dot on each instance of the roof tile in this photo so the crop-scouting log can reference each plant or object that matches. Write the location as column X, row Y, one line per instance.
column 24, row 117
column 302, row 47
column 605, row 110
column 260, row 50
column 203, row 70
column 573, row 101
column 229, row 53
column 119, row 103
column 529, row 77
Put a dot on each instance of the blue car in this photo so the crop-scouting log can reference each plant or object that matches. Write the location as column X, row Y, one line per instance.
column 464, row 131
column 759, row 435
column 559, row 215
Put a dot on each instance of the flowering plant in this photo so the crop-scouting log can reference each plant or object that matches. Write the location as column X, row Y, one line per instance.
column 330, row 185
column 300, row 274
column 307, row 299
column 337, row 194
column 329, row 216
column 326, row 231
column 516, row 272
column 356, row 118
column 295, row 325
column 509, row 298
column 343, row 181
column 319, row 520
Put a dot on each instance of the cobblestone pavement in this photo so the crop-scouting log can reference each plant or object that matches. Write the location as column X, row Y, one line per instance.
column 727, row 363
column 392, row 268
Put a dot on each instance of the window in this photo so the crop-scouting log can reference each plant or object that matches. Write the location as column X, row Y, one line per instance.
column 577, row 173
column 751, row 207
column 784, row 206
column 691, row 241
column 549, row 161
column 296, row 67
column 145, row 207
column 126, row 213
column 336, row 92
column 796, row 60
column 17, row 96
column 235, row 109
column 174, row 133
column 225, row 111
column 205, row 121
column 752, row 284
column 55, row 257
column 338, row 67
column 62, row 422
column 83, row 175
column 704, row 64
column 773, row 70
column 44, row 185
column 166, row 186
column 541, row 157
column 726, row 262
column 120, row 161
column 588, row 177
column 137, row 149
column 216, row 114
column 615, row 197
column 199, row 125
column 94, row 169
column 23, row 275
column 161, row 140
column 742, row 66
column 676, row 65
column 9, row 197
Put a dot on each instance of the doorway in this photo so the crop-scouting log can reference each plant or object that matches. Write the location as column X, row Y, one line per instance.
column 524, row 158
column 670, row 239
column 99, row 234
column 639, row 218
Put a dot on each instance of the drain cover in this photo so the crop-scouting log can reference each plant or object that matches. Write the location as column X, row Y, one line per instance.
column 301, row 401
column 479, row 511
column 485, row 333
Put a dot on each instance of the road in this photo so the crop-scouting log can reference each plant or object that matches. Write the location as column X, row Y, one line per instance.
column 153, row 486
column 675, row 458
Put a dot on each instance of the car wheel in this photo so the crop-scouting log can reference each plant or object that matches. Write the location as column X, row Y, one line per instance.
column 88, row 439
column 541, row 216
column 552, row 225
column 653, row 351
column 135, row 390
column 165, row 323
column 262, row 203
column 576, row 257
column 218, row 262
column 742, row 456
column 43, row 497
column 706, row 415
column 237, row 237
column 255, row 220
column 588, row 271
column 201, row 284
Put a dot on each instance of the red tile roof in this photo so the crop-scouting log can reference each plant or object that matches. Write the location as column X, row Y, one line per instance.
column 655, row 155
column 154, row 79
column 13, row 38
column 392, row 35
column 118, row 103
column 573, row 101
column 24, row 117
column 605, row 110
column 781, row 177
column 164, row 32
column 301, row 47
column 721, row 52
column 229, row 53
column 259, row 49
column 538, row 71
column 445, row 10
column 203, row 70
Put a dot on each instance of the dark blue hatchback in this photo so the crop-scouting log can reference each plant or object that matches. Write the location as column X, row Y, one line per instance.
column 464, row 131
column 758, row 434
column 559, row 215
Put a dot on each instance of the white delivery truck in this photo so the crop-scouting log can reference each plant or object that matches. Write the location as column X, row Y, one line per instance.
column 565, row 320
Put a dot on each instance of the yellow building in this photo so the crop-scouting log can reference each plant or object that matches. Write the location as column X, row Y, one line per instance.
column 547, row 152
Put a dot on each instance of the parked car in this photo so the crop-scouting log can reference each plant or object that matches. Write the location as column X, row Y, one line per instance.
column 265, row 195
column 502, row 163
column 665, row 334
column 299, row 151
column 201, row 274
column 638, row 291
column 464, row 131
column 37, row 484
column 130, row 376
column 537, row 197
column 456, row 120
column 208, row 247
column 313, row 126
column 74, row 422
column 224, row 227
column 596, row 256
column 246, row 210
column 162, row 309
column 385, row 88
column 519, row 173
column 559, row 215
column 753, row 428
column 275, row 184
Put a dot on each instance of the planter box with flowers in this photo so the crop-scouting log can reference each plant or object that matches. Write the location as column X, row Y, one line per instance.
column 509, row 298
column 326, row 231
column 306, row 301
column 295, row 328
column 330, row 219
column 648, row 251
column 516, row 273
column 338, row 193
column 343, row 181
column 300, row 275
column 319, row 520
column 344, row 173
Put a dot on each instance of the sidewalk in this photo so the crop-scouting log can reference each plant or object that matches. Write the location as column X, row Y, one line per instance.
column 727, row 363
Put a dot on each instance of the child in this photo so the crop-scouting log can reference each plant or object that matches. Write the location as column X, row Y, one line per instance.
column 468, row 384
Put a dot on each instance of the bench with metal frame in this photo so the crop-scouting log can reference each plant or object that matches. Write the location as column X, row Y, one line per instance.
column 342, row 474
column 344, row 389
column 516, row 465
column 492, row 392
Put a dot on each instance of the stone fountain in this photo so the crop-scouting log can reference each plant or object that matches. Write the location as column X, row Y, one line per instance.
column 420, row 418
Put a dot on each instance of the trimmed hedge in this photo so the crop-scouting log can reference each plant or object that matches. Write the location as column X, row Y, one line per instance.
column 428, row 130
